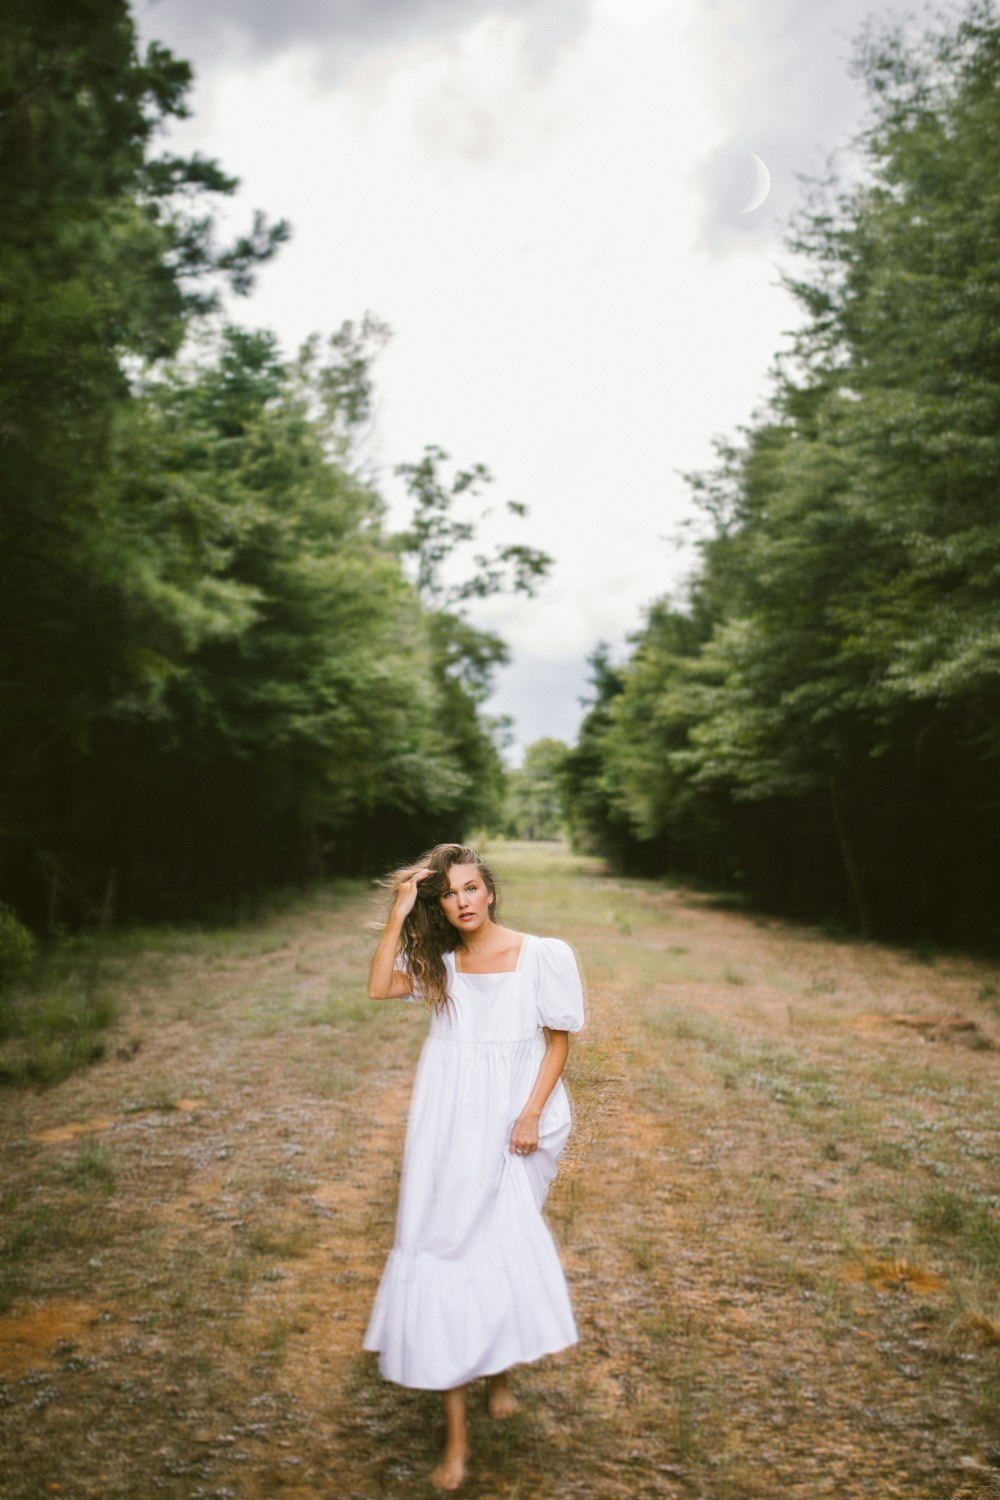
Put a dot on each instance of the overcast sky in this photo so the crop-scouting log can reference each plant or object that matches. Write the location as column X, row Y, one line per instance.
column 543, row 199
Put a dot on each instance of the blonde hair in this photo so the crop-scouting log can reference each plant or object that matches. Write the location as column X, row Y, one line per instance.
column 427, row 934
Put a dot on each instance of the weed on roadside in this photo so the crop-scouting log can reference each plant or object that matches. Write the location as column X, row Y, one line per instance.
column 970, row 1226
column 91, row 1167
column 53, row 1029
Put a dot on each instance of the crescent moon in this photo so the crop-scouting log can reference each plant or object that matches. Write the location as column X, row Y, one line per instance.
column 761, row 185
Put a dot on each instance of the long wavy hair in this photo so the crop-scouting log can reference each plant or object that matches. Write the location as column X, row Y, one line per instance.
column 427, row 934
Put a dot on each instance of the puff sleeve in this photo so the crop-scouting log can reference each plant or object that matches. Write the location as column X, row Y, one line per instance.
column 559, row 986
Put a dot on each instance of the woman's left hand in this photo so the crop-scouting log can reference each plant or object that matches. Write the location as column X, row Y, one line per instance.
column 524, row 1136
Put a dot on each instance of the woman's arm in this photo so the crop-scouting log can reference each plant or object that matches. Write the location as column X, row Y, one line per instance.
column 385, row 981
column 524, row 1136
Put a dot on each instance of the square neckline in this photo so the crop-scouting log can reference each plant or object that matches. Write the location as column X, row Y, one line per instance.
column 490, row 973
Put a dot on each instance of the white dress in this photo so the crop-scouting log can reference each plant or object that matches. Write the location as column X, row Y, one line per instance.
column 473, row 1283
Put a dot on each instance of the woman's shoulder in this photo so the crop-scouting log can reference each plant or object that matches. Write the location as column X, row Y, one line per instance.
column 548, row 947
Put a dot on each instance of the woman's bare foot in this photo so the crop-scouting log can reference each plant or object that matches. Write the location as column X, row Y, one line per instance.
column 502, row 1402
column 450, row 1472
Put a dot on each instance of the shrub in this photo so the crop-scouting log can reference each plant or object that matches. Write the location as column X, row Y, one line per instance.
column 17, row 949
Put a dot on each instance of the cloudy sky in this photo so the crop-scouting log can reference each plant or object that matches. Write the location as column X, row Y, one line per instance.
column 543, row 199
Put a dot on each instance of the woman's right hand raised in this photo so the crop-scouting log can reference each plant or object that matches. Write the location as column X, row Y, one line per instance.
column 406, row 891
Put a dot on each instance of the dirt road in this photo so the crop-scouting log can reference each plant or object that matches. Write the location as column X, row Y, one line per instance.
column 778, row 1214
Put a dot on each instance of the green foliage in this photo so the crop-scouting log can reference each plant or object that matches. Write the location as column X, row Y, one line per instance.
column 436, row 534
column 533, row 806
column 53, row 1028
column 107, row 253
column 17, row 949
column 821, row 723
column 91, row 1169
column 216, row 672
column 435, row 547
column 969, row 1223
column 595, row 821
column 291, row 704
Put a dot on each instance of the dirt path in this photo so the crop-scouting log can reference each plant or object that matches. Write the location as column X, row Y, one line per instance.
column 778, row 1214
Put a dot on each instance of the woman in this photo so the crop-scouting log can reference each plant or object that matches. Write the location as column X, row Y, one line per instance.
column 473, row 1284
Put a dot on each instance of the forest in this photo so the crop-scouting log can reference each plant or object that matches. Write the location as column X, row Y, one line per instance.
column 816, row 723
column 221, row 672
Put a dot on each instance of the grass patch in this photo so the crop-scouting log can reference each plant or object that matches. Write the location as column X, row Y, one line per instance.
column 53, row 1019
column 53, row 1022
column 281, row 1241
column 964, row 1224
column 26, row 1236
column 893, row 1156
column 33, row 1230
column 91, row 1168
column 35, row 1236
column 351, row 1009
column 48, row 1033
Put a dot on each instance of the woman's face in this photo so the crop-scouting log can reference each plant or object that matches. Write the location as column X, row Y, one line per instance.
column 466, row 902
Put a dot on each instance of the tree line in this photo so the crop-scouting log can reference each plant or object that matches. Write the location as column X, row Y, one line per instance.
column 219, row 669
column 817, row 722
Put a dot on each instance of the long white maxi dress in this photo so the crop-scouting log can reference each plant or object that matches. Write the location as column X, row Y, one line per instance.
column 473, row 1283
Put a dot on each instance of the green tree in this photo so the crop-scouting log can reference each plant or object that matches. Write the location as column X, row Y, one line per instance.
column 835, row 729
column 439, row 545
column 533, row 807
column 107, row 252
column 216, row 670
column 298, row 707
column 596, row 821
